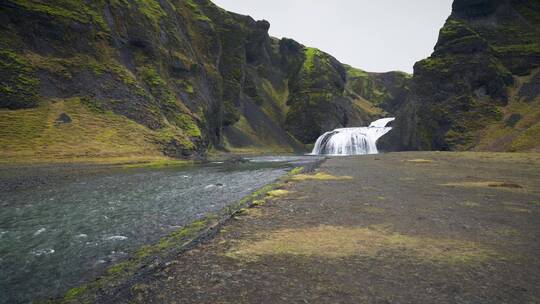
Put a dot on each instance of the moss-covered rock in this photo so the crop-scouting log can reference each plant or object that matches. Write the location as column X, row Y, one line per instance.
column 18, row 81
column 468, row 82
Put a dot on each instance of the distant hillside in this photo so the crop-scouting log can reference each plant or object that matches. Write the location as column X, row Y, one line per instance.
column 137, row 78
column 480, row 89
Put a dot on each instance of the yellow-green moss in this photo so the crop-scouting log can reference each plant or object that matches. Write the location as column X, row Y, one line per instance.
column 165, row 163
column 469, row 204
column 419, row 161
column 34, row 135
column 487, row 184
column 188, row 125
column 74, row 292
column 19, row 85
column 174, row 239
column 312, row 54
column 199, row 14
column 527, row 140
column 296, row 171
column 319, row 176
column 278, row 193
column 74, row 10
column 519, row 49
column 342, row 242
column 356, row 73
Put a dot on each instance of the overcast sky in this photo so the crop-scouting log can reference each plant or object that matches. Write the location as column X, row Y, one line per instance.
column 376, row 36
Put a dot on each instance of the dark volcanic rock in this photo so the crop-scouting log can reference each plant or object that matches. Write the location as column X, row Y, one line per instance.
column 63, row 119
column 483, row 50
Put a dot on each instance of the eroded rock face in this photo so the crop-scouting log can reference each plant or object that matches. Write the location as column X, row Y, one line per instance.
column 486, row 51
column 188, row 70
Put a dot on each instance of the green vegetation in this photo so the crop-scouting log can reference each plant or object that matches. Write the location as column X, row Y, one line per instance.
column 337, row 242
column 356, row 73
column 309, row 63
column 71, row 10
column 188, row 125
column 149, row 8
column 319, row 176
column 67, row 66
column 441, row 64
column 278, row 193
column 74, row 293
column 18, row 82
column 518, row 49
column 199, row 14
column 177, row 238
column 275, row 106
column 527, row 140
column 177, row 114
column 162, row 163
column 152, row 78
column 455, row 29
column 33, row 135
column 315, row 61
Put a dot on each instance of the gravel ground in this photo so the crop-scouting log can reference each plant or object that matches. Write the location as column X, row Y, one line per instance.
column 418, row 227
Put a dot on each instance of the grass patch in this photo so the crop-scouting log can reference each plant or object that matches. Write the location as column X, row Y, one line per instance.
column 487, row 184
column 517, row 209
column 469, row 204
column 72, row 10
column 368, row 107
column 34, row 135
column 319, row 176
column 250, row 212
column 419, row 161
column 372, row 210
column 356, row 73
column 278, row 193
column 342, row 242
column 164, row 163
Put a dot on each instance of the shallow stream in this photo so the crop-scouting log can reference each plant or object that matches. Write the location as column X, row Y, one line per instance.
column 62, row 232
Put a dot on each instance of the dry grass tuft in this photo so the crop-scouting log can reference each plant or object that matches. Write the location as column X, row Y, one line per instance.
column 319, row 176
column 517, row 209
column 340, row 242
column 469, row 204
column 419, row 161
column 487, row 184
column 277, row 193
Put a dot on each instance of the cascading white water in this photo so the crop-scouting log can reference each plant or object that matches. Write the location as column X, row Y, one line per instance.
column 352, row 141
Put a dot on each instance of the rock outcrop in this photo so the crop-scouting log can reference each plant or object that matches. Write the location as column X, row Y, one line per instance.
column 479, row 89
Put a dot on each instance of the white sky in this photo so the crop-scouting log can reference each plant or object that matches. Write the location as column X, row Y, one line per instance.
column 376, row 36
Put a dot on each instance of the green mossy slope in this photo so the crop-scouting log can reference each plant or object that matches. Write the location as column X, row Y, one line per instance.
column 197, row 75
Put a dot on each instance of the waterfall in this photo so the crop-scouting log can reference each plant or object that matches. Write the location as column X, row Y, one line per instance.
column 352, row 141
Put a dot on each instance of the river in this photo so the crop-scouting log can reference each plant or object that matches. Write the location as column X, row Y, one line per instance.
column 65, row 227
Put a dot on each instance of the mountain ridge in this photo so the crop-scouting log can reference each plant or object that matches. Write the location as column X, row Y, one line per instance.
column 194, row 76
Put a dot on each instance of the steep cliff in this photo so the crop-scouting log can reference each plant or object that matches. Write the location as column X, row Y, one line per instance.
column 141, row 77
column 480, row 88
